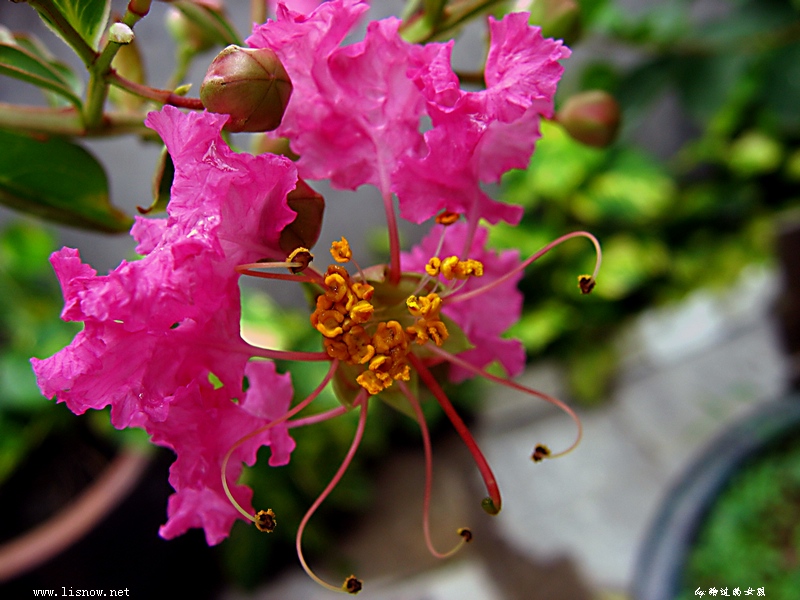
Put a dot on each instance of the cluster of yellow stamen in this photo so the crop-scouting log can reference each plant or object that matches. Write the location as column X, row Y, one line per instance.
column 428, row 324
column 454, row 268
column 344, row 316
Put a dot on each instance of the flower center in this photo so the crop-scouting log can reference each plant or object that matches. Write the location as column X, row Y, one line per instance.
column 377, row 331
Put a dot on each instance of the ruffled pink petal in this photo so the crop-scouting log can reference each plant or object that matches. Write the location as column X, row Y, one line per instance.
column 354, row 111
column 203, row 425
column 478, row 136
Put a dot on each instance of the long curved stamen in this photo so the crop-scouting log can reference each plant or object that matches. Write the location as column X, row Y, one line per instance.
column 494, row 502
column 318, row 418
column 257, row 351
column 251, row 269
column 287, row 415
column 426, row 500
column 500, row 280
column 521, row 388
column 362, row 402
column 243, row 347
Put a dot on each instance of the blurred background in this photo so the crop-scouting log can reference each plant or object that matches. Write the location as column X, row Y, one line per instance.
column 681, row 364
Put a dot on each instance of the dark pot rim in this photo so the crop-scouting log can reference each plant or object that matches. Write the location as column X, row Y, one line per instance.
column 664, row 552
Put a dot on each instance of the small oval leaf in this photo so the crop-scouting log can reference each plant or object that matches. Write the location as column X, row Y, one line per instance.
column 57, row 180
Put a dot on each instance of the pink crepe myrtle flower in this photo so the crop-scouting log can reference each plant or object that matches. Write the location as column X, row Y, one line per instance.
column 156, row 329
column 161, row 342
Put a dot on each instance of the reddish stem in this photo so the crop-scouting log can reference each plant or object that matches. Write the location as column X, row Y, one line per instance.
column 161, row 96
column 480, row 460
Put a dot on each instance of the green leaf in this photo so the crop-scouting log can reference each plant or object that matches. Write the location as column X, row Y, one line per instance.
column 213, row 23
column 22, row 64
column 87, row 17
column 57, row 180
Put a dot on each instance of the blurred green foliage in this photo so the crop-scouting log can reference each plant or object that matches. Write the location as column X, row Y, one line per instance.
column 671, row 225
column 752, row 535
column 30, row 303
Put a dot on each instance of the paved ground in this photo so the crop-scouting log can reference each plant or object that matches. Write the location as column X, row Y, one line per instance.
column 571, row 528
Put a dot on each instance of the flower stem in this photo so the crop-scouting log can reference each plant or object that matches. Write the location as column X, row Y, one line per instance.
column 480, row 460
column 65, row 121
column 160, row 96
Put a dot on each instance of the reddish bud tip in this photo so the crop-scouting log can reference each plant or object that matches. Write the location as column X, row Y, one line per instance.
column 592, row 118
column 250, row 85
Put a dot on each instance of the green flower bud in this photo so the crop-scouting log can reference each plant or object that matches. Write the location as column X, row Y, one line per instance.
column 250, row 85
column 591, row 118
column 120, row 33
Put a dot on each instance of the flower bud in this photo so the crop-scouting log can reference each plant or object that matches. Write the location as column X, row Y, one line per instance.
column 304, row 230
column 591, row 118
column 559, row 19
column 119, row 33
column 250, row 85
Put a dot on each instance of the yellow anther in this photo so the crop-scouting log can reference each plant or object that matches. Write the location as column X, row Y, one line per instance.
column 473, row 267
column 361, row 311
column 433, row 267
column 363, row 291
column 352, row 585
column 540, row 452
column 359, row 349
column 302, row 256
column 328, row 323
column 401, row 371
column 337, row 287
column 323, row 303
column 424, row 306
column 380, row 364
column 370, row 382
column 453, row 268
column 447, row 218
column 412, row 302
column 586, row 283
column 448, row 267
column 388, row 335
column 265, row 520
column 437, row 331
column 341, row 251
column 336, row 349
